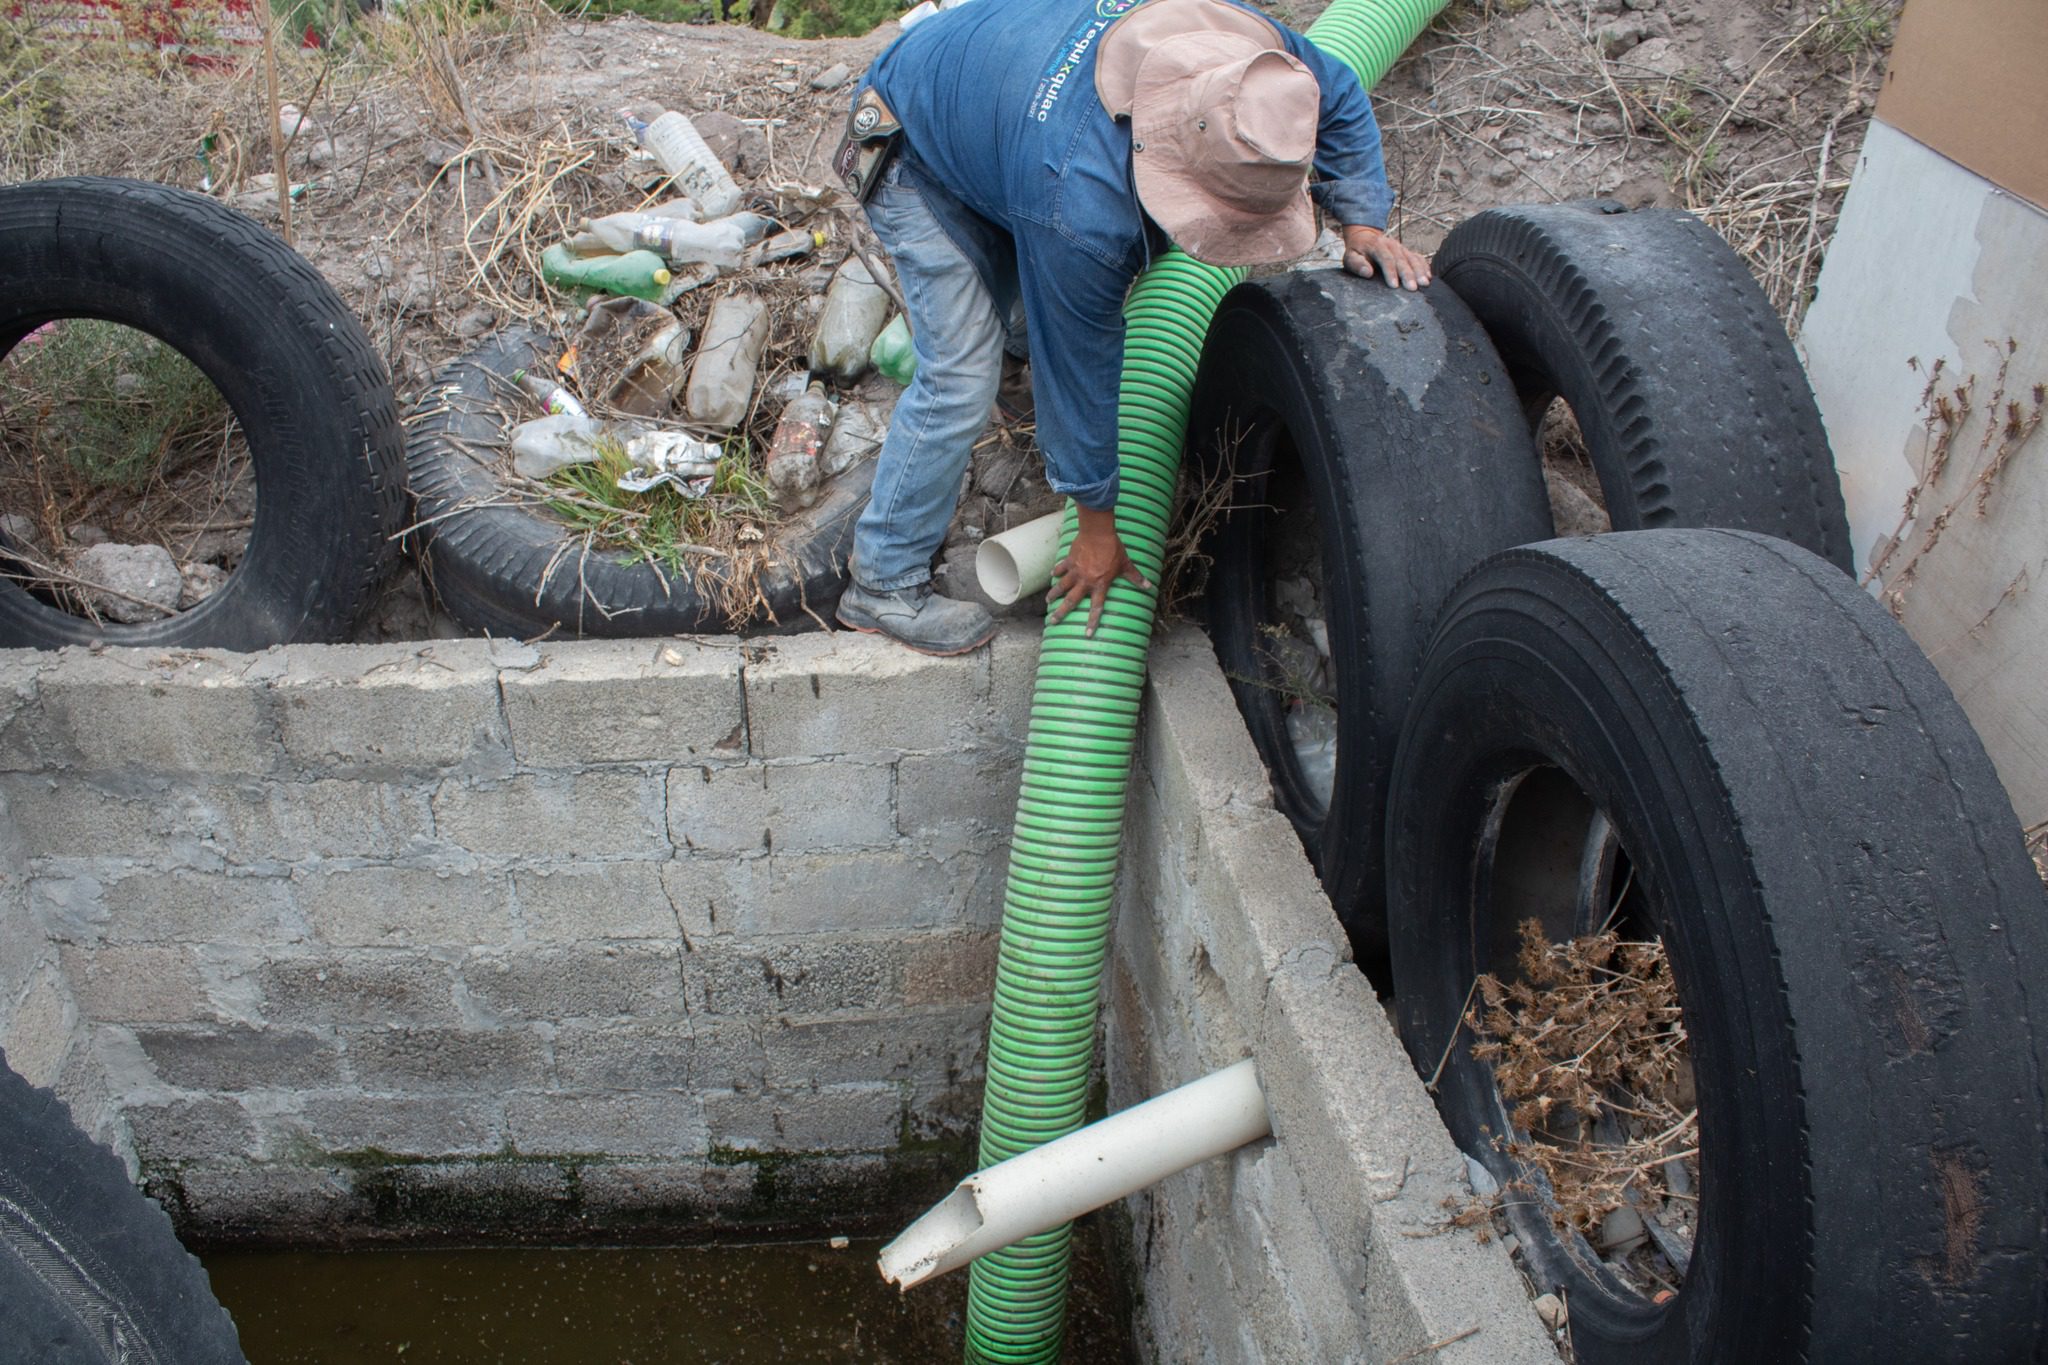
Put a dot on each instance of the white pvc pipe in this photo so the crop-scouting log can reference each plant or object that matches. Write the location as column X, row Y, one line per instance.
column 1020, row 560
column 1084, row 1170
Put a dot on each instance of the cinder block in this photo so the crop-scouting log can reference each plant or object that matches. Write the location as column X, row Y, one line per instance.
column 137, row 985
column 833, row 1118
column 176, row 1131
column 692, row 1055
column 554, row 984
column 813, row 696
column 831, row 893
column 241, row 1058
column 462, row 1061
column 1013, row 673
column 395, row 907
column 969, row 795
column 158, row 711
column 364, row 986
column 42, row 1029
column 413, row 1125
column 919, row 1047
column 793, row 976
column 626, row 701
column 951, row 968
column 648, row 1123
column 286, row 1203
column 786, row 808
column 328, row 818
column 615, row 814
column 392, row 708
column 67, row 816
column 693, row 887
column 671, row 1192
column 28, row 741
column 584, row 902
column 198, row 907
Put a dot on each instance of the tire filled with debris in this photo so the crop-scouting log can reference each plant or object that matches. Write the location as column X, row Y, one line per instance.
column 502, row 562
column 1716, row 939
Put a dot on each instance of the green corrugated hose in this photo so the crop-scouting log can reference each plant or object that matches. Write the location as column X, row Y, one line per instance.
column 1077, row 764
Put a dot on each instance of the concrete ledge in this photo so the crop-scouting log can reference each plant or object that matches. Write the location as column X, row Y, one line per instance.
column 1331, row 1242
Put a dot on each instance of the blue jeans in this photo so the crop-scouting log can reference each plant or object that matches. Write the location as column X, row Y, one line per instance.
column 959, row 333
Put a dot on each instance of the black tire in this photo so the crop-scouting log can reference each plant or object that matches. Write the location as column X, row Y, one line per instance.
column 514, row 572
column 89, row 1268
column 1693, row 403
column 313, row 398
column 1851, row 920
column 1386, row 417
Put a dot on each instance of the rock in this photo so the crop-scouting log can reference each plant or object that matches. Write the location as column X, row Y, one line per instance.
column 1615, row 39
column 1604, row 125
column 85, row 534
column 200, row 581
column 145, row 577
column 1622, row 1230
column 956, row 579
column 723, row 134
column 1655, row 57
column 1550, row 1308
column 474, row 323
column 1483, row 1183
column 1502, row 173
column 832, row 77
column 17, row 529
column 127, row 384
column 786, row 87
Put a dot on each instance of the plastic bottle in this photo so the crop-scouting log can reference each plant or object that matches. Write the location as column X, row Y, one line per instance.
column 639, row 274
column 892, row 352
column 793, row 452
column 722, row 376
column 783, row 246
column 680, row 149
column 650, row 386
column 554, row 399
column 855, row 309
column 546, row 444
column 721, row 242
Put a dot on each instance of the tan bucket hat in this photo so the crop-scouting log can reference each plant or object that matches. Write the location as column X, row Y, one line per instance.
column 1223, row 128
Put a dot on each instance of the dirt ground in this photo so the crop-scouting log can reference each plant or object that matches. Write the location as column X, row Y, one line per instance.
column 461, row 147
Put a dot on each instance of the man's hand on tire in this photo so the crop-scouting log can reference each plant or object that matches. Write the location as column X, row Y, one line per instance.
column 1369, row 251
column 1096, row 559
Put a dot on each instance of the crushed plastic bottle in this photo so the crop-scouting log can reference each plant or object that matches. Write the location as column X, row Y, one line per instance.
column 681, row 150
column 722, row 376
column 783, row 246
column 892, row 352
column 553, row 398
column 650, row 385
column 855, row 309
column 675, row 458
column 639, row 274
column 547, row 444
column 721, row 242
column 856, row 434
column 1312, row 730
column 792, row 463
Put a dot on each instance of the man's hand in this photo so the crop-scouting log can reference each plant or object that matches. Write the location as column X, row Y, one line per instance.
column 1095, row 560
column 1365, row 247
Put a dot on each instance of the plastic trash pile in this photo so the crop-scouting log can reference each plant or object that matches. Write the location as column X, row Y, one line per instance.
column 683, row 395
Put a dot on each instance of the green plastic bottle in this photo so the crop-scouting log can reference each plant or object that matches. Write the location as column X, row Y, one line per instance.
column 892, row 352
column 640, row 274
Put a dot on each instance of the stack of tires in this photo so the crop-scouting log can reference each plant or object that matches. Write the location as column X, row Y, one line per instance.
column 1697, row 724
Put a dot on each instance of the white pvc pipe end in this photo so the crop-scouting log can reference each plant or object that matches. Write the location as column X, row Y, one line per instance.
column 1019, row 561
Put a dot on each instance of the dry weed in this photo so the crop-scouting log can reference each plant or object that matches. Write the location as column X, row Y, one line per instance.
column 1589, row 1048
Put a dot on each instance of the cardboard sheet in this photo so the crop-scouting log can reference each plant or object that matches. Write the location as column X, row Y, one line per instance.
column 1970, row 79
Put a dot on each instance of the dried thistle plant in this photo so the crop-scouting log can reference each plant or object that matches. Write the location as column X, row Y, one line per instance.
column 1589, row 1049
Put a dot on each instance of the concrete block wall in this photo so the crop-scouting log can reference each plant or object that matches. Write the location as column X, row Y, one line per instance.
column 473, row 935
column 1329, row 1242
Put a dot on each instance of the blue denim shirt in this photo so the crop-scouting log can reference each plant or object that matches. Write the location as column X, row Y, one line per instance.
column 1015, row 155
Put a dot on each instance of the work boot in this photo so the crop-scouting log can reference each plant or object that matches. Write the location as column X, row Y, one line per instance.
column 918, row 617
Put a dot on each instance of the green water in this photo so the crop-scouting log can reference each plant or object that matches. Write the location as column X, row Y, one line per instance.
column 725, row 1305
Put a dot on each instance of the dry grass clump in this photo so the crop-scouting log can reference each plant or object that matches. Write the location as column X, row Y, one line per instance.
column 1589, row 1048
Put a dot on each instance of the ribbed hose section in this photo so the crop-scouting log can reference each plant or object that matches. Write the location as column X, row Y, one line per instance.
column 1077, row 762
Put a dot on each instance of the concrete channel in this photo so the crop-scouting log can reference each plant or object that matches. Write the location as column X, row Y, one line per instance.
column 677, row 938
